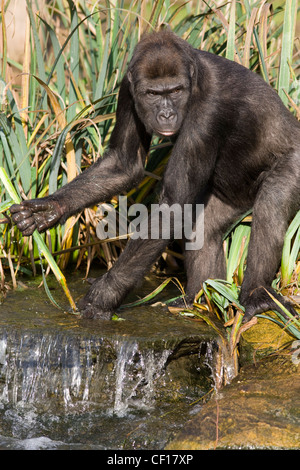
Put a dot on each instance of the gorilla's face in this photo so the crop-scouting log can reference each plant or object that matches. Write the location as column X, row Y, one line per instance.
column 161, row 86
column 162, row 104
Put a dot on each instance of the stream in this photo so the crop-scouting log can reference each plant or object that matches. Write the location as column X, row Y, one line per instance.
column 72, row 383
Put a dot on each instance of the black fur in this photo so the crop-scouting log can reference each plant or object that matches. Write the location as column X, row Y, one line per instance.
column 235, row 147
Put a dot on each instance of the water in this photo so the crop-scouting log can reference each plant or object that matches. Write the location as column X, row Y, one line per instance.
column 87, row 394
column 69, row 383
column 136, row 371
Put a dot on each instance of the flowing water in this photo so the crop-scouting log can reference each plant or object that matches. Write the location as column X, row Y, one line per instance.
column 69, row 383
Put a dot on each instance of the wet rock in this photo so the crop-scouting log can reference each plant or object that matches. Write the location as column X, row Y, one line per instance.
column 260, row 409
column 262, row 339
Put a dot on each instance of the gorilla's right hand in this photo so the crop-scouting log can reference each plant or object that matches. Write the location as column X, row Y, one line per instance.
column 39, row 214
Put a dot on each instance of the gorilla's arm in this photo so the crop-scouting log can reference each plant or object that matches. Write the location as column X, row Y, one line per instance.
column 121, row 168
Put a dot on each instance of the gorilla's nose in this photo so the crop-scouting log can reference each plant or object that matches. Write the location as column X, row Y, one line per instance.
column 166, row 115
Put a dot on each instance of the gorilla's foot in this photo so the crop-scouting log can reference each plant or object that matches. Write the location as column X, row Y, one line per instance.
column 264, row 299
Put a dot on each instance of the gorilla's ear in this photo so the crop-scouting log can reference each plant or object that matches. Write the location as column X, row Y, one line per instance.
column 193, row 74
column 129, row 78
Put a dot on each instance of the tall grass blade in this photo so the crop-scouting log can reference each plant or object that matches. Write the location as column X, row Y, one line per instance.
column 150, row 296
column 225, row 291
column 39, row 241
column 231, row 32
column 264, row 70
column 250, row 32
column 74, row 62
column 25, row 79
column 289, row 23
column 239, row 243
column 4, row 41
column 59, row 63
column 38, row 50
column 101, row 78
column 290, row 250
column 18, row 152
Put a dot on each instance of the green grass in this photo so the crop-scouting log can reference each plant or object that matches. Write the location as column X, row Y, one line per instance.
column 57, row 117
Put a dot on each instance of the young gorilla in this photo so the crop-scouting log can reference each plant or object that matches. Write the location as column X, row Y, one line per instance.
column 235, row 147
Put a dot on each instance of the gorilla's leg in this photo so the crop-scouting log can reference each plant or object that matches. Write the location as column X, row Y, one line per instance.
column 276, row 203
column 209, row 261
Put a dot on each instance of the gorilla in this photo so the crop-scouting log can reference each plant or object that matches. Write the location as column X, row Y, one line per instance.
column 235, row 147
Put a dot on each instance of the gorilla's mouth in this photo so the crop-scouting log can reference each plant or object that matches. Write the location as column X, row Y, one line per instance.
column 166, row 133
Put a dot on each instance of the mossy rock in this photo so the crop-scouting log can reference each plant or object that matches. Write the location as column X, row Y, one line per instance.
column 260, row 409
column 263, row 339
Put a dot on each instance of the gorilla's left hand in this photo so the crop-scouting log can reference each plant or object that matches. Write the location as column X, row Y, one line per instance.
column 94, row 304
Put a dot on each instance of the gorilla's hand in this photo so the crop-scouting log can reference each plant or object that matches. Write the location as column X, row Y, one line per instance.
column 39, row 214
column 100, row 300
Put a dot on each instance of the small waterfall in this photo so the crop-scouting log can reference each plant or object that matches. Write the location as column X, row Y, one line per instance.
column 136, row 370
column 73, row 371
column 34, row 368
column 66, row 382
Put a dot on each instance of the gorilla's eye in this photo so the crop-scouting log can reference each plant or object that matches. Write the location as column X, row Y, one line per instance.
column 176, row 90
column 152, row 93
